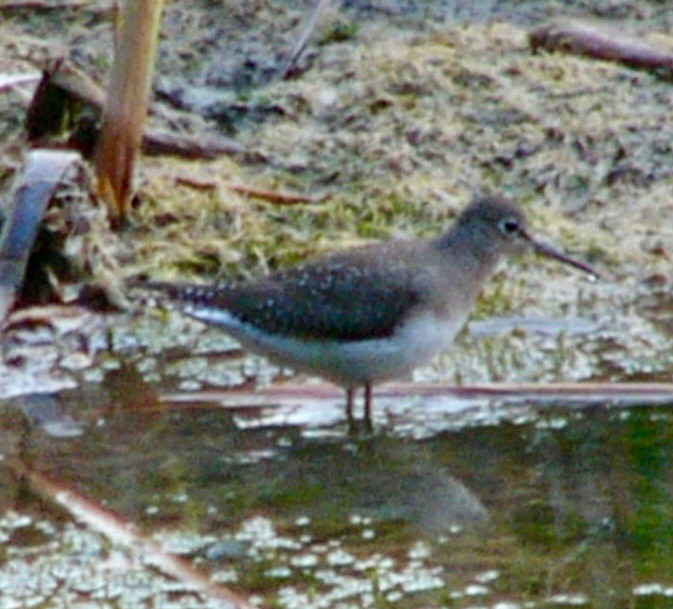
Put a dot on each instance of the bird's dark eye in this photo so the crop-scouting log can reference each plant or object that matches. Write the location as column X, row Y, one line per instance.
column 510, row 226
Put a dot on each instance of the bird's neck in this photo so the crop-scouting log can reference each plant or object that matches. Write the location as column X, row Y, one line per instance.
column 476, row 260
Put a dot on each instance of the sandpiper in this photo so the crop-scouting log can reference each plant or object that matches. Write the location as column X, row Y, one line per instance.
column 371, row 313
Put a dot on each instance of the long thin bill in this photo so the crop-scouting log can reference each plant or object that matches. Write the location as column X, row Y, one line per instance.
column 547, row 250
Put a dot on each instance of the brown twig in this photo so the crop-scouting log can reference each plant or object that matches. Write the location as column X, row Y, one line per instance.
column 271, row 196
column 202, row 146
column 62, row 83
column 119, row 531
column 590, row 40
column 614, row 392
column 279, row 198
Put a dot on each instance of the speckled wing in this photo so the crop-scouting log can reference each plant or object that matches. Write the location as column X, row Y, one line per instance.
column 341, row 297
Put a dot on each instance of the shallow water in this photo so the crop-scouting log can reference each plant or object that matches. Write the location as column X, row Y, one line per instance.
column 454, row 501
column 460, row 498
column 498, row 503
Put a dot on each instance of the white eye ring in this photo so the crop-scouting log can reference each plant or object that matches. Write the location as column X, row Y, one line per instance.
column 510, row 226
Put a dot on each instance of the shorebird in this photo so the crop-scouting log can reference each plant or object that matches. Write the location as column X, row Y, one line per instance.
column 371, row 313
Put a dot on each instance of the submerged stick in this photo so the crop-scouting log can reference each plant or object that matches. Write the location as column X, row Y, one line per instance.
column 615, row 393
column 119, row 531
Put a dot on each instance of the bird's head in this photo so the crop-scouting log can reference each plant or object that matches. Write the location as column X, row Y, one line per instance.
column 495, row 226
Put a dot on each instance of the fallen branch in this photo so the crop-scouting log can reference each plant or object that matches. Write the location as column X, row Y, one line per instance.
column 199, row 146
column 279, row 198
column 615, row 393
column 271, row 196
column 590, row 40
column 62, row 83
column 121, row 532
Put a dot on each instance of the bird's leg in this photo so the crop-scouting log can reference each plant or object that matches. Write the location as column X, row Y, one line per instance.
column 367, row 419
column 350, row 399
